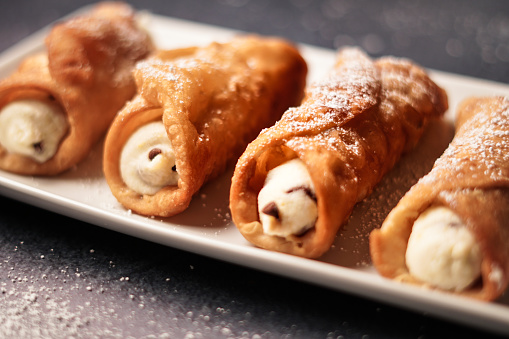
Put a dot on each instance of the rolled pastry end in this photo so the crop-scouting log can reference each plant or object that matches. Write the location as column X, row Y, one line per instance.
column 287, row 202
column 147, row 161
column 32, row 128
column 442, row 252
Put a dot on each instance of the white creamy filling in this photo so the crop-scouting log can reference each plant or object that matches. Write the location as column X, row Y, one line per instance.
column 32, row 128
column 442, row 251
column 147, row 162
column 287, row 202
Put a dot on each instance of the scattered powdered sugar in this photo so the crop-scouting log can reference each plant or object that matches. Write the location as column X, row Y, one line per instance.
column 351, row 247
column 64, row 302
column 31, row 312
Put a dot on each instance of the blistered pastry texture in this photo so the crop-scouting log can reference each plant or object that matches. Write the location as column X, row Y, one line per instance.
column 212, row 101
column 86, row 71
column 472, row 179
column 349, row 131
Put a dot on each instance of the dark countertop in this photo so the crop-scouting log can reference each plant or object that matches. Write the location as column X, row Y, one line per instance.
column 63, row 278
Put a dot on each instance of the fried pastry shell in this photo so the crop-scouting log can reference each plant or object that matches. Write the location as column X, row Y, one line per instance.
column 349, row 131
column 86, row 70
column 472, row 179
column 213, row 101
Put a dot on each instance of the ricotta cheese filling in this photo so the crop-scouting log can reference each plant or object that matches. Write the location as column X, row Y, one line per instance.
column 442, row 252
column 32, row 128
column 287, row 201
column 147, row 161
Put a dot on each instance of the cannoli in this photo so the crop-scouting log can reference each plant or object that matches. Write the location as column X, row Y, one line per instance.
column 59, row 102
column 450, row 231
column 297, row 183
column 196, row 110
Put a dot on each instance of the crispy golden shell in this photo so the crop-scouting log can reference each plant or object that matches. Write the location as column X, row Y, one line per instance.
column 349, row 131
column 213, row 101
column 87, row 71
column 472, row 179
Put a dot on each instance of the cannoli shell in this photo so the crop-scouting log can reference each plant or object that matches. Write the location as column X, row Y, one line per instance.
column 213, row 101
column 472, row 179
column 86, row 70
column 349, row 131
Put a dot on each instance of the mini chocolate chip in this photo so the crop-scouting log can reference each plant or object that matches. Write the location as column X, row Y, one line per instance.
column 272, row 210
column 38, row 146
column 306, row 190
column 174, row 168
column 51, row 97
column 153, row 153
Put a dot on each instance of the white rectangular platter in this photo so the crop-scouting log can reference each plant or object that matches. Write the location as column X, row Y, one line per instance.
column 206, row 227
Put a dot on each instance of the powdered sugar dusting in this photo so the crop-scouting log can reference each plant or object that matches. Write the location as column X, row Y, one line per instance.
column 351, row 247
column 484, row 144
column 351, row 88
column 347, row 87
column 157, row 69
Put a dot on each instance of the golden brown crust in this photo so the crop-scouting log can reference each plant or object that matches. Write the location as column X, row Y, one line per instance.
column 213, row 101
column 87, row 71
column 472, row 179
column 349, row 131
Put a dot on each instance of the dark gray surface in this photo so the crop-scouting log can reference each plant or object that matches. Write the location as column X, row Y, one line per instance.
column 60, row 277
